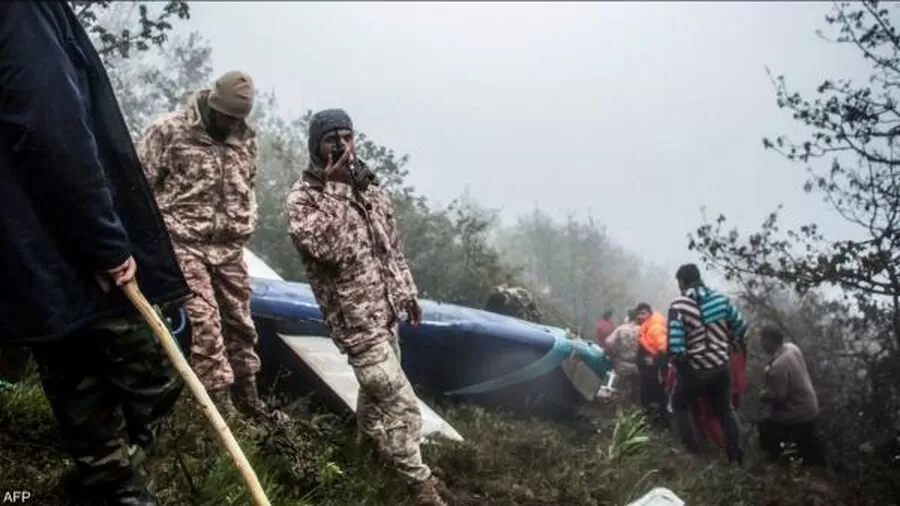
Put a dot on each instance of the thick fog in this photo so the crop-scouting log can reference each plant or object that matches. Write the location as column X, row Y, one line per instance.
column 638, row 114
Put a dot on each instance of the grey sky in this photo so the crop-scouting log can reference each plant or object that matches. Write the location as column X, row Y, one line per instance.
column 638, row 113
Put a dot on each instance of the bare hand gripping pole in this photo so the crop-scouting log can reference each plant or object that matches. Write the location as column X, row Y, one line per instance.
column 209, row 409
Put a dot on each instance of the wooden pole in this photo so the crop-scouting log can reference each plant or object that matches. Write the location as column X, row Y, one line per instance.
column 209, row 409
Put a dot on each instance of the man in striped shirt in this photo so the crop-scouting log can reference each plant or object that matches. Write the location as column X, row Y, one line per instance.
column 704, row 326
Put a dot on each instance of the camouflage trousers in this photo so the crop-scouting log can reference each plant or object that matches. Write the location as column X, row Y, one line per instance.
column 387, row 408
column 223, row 336
column 109, row 386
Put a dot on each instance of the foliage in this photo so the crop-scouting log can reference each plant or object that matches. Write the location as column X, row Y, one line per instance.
column 629, row 437
column 851, row 127
column 317, row 459
column 850, row 153
column 857, row 401
column 148, row 87
column 577, row 269
column 120, row 40
column 850, row 341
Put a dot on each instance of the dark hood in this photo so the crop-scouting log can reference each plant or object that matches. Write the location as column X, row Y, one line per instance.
column 321, row 123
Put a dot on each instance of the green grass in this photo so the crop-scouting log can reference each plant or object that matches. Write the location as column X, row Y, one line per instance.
column 604, row 457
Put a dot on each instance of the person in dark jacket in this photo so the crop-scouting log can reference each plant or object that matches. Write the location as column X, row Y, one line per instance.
column 77, row 219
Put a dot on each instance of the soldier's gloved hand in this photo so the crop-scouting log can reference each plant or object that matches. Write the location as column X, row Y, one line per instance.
column 413, row 312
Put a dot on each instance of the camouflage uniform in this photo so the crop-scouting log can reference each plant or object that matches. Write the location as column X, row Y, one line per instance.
column 353, row 257
column 622, row 347
column 361, row 281
column 206, row 193
column 387, row 409
column 109, row 386
column 514, row 301
column 347, row 239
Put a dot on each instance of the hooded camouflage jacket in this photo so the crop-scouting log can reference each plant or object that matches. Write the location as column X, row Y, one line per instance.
column 205, row 189
column 354, row 260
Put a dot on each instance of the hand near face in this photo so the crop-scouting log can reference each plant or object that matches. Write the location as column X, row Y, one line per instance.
column 333, row 168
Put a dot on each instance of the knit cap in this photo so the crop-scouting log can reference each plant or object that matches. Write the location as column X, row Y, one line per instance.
column 321, row 123
column 232, row 94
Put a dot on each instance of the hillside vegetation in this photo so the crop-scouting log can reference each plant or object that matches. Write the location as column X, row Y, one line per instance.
column 604, row 458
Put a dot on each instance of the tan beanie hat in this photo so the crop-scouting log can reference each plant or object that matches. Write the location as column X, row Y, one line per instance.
column 232, row 94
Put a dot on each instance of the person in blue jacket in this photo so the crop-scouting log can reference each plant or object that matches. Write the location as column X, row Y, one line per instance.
column 77, row 219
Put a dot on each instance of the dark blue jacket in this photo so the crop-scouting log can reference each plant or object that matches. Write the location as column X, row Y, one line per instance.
column 73, row 197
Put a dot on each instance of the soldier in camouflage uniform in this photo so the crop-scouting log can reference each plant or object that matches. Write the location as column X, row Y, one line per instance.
column 342, row 224
column 120, row 356
column 201, row 163
column 77, row 221
column 621, row 345
column 513, row 301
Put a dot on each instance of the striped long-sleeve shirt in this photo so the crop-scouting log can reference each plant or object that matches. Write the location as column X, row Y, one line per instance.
column 703, row 327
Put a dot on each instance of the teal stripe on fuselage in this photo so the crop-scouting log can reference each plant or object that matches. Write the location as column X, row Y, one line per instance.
column 562, row 348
